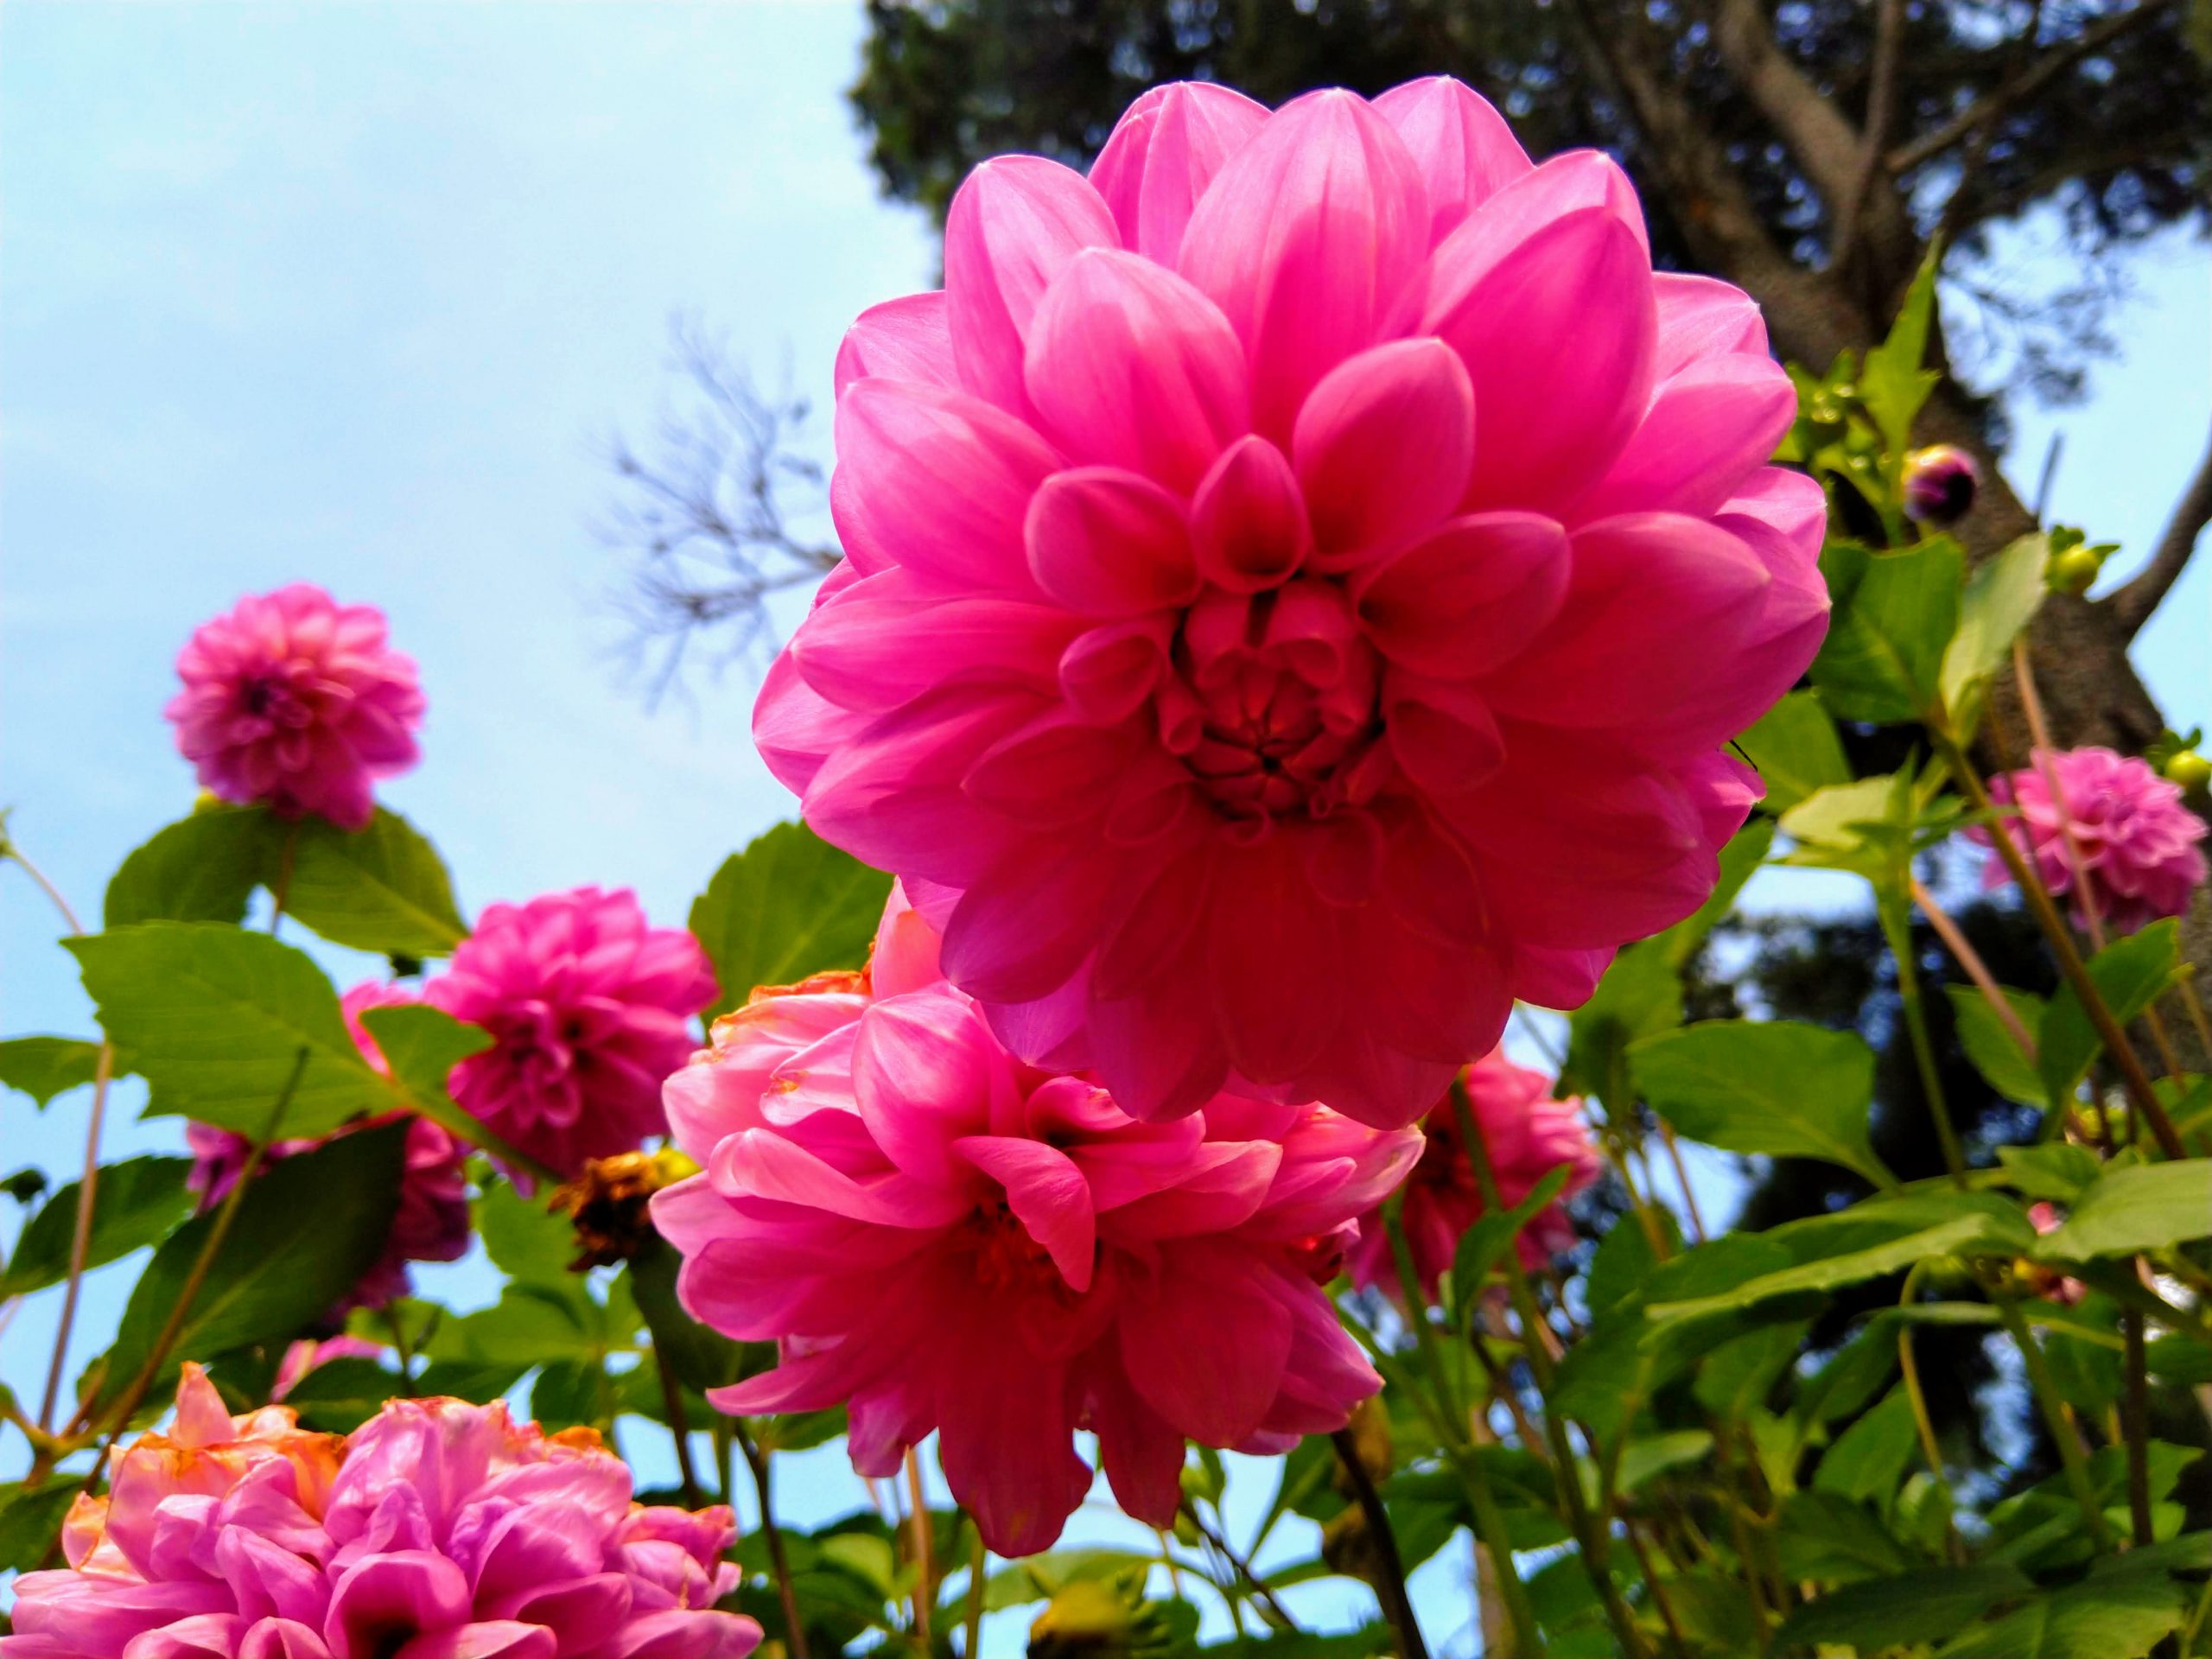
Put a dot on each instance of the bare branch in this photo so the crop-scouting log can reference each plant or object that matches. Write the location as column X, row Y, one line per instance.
column 1986, row 109
column 1881, row 103
column 2132, row 604
column 710, row 520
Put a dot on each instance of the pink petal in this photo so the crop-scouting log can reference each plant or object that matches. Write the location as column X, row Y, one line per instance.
column 1206, row 1349
column 1108, row 543
column 1108, row 671
column 1128, row 365
column 1015, row 222
column 1305, row 239
column 1271, row 945
column 1470, row 597
column 1709, row 429
column 1157, row 1048
column 880, row 643
column 1047, row 1195
column 1442, row 734
column 1141, row 1452
column 906, row 339
column 502, row 1638
column 1047, row 773
column 1459, row 140
column 1161, row 155
column 1007, row 1447
column 923, row 1076
column 1028, row 923
column 1248, row 523
column 1700, row 317
column 1382, row 448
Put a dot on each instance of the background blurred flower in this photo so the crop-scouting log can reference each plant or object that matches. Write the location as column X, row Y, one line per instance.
column 1270, row 565
column 1528, row 1135
column 945, row 1239
column 589, row 1008
column 2137, row 842
column 431, row 1224
column 295, row 701
column 438, row 1530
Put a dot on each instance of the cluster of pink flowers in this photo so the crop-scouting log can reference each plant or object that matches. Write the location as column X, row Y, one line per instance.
column 1527, row 1134
column 1299, row 581
column 437, row 1530
column 946, row 1238
column 295, row 702
column 589, row 1007
column 2137, row 842
column 431, row 1224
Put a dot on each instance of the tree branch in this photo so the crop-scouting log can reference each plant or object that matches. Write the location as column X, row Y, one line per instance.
column 2132, row 604
column 1881, row 103
column 1987, row 108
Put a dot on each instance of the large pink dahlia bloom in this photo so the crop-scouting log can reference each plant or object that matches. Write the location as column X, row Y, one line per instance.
column 1527, row 1135
column 2137, row 842
column 431, row 1224
column 1299, row 579
column 946, row 1238
column 296, row 702
column 438, row 1530
column 589, row 1007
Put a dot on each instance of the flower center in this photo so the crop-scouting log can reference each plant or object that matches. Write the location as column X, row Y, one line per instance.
column 1272, row 700
column 1006, row 1258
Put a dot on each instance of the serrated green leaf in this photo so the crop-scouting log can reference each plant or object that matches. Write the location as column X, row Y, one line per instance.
column 1483, row 1246
column 340, row 1394
column 43, row 1067
column 1893, row 385
column 2110, row 1618
column 1908, row 1610
column 1825, row 1538
column 30, row 1516
column 2126, row 1210
column 421, row 1045
column 2129, row 974
column 216, row 1019
column 381, row 888
column 1995, row 1053
column 1866, row 1463
column 202, row 869
column 1776, row 1087
column 1796, row 750
column 135, row 1202
column 1892, row 619
column 789, row 905
column 306, row 1230
column 1649, row 1456
column 527, row 1242
column 2002, row 597
column 2056, row 1170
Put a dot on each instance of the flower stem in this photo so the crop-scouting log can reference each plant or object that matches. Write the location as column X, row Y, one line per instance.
column 977, row 1557
column 679, row 1428
column 919, row 1520
column 2063, row 1433
column 1397, row 1605
column 1278, row 1615
column 794, row 1632
column 1896, row 924
column 2135, row 1420
column 1967, row 957
column 1923, row 1425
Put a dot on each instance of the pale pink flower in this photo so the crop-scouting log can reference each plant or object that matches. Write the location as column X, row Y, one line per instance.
column 2051, row 1286
column 296, row 702
column 1528, row 1135
column 945, row 1238
column 438, row 1530
column 1297, row 582
column 431, row 1224
column 589, row 1007
column 2137, row 842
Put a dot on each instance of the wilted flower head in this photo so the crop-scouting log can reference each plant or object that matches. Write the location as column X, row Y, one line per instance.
column 1528, row 1134
column 2137, row 842
column 1297, row 581
column 1940, row 482
column 947, row 1239
column 589, row 1008
column 295, row 701
column 438, row 1530
column 431, row 1224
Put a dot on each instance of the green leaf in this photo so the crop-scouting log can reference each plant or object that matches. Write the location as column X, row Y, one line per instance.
column 1640, row 995
column 421, row 1045
column 1868, row 1462
column 1483, row 1246
column 202, row 869
column 1830, row 1539
column 1777, row 1087
column 340, row 1394
column 1736, row 1376
column 1908, row 1610
column 2107, row 1618
column 306, row 1230
column 1652, row 1455
column 1795, row 748
column 216, row 1019
column 2144, row 1207
column 525, row 1240
column 136, row 1202
column 381, row 888
column 693, row 1353
column 1992, row 1048
column 43, row 1067
column 2002, row 597
column 1892, row 619
column 789, row 905
column 31, row 1516
column 2056, row 1169
column 1893, row 385
column 2129, row 974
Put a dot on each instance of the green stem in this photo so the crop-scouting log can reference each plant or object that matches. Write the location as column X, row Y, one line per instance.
column 2135, row 1427
column 794, row 1632
column 2063, row 1431
column 1897, row 927
column 1923, row 1425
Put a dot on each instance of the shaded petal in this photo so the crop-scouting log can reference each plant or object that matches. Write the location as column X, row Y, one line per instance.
column 1026, row 925
column 880, row 643
column 1382, row 448
column 1702, row 317
column 1465, row 149
column 1272, row 950
column 1472, row 596
column 905, row 339
column 1248, row 523
column 1442, row 734
column 1206, row 1349
column 1108, row 543
column 923, row 1076
column 1047, row 1194
column 1007, row 1445
column 1709, row 429
column 1140, row 1451
column 1162, row 154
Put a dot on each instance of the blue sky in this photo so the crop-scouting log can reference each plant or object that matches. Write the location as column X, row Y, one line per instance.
column 358, row 292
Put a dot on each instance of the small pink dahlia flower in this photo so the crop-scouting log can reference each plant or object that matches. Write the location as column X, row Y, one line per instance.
column 295, row 702
column 1299, row 581
column 431, row 1224
column 1528, row 1135
column 589, row 1009
column 438, row 1530
column 945, row 1238
column 2137, row 842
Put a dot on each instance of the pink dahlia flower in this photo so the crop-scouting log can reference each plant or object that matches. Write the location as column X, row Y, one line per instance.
column 589, row 1009
column 1299, row 579
column 947, row 1239
column 437, row 1530
column 2137, row 842
column 1528, row 1134
column 431, row 1224
column 295, row 701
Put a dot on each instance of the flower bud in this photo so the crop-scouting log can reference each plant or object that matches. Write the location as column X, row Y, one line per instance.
column 2074, row 571
column 1939, row 484
column 2188, row 769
